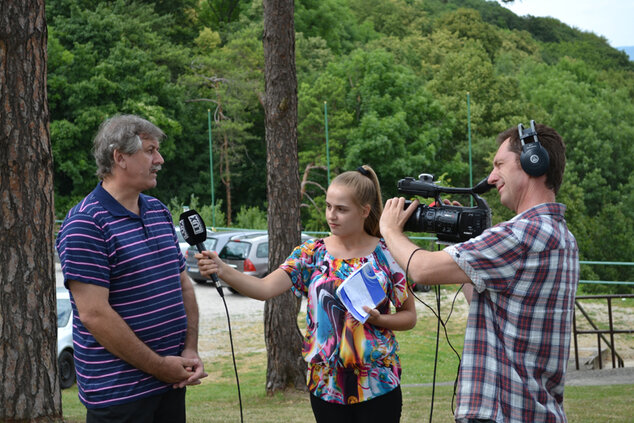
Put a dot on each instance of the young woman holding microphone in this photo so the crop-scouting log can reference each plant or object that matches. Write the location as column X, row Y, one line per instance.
column 353, row 368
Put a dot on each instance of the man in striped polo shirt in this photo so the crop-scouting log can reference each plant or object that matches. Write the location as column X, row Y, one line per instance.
column 522, row 275
column 135, row 323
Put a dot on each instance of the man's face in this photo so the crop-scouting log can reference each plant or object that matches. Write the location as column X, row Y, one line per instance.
column 142, row 167
column 508, row 177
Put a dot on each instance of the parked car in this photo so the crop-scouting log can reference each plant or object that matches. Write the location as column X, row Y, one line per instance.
column 215, row 242
column 181, row 240
column 249, row 253
column 65, row 361
column 419, row 287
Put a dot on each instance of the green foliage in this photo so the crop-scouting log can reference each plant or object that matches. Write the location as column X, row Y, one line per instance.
column 376, row 109
column 395, row 76
column 228, row 80
column 468, row 24
column 207, row 40
column 219, row 13
column 206, row 211
column 213, row 217
column 393, row 18
column 314, row 217
column 592, row 119
column 251, row 218
column 176, row 208
column 108, row 58
column 605, row 236
column 332, row 21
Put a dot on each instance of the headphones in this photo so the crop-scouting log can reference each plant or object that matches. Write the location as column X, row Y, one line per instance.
column 534, row 157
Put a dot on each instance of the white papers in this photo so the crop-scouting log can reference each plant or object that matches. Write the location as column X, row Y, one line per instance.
column 361, row 288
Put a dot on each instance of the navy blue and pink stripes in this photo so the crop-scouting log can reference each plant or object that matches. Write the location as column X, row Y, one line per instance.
column 138, row 260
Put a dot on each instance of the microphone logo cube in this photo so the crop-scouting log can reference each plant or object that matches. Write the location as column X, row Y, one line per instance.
column 197, row 224
column 183, row 230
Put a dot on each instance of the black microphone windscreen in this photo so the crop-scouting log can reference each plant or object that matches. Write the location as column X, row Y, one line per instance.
column 192, row 227
column 194, row 231
column 482, row 186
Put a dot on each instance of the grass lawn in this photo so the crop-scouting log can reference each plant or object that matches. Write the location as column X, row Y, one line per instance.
column 218, row 403
column 216, row 399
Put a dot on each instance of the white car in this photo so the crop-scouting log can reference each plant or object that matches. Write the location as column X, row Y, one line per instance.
column 181, row 241
column 65, row 361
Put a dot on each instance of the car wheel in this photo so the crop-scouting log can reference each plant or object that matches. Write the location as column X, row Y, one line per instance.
column 422, row 287
column 201, row 281
column 66, row 369
column 233, row 291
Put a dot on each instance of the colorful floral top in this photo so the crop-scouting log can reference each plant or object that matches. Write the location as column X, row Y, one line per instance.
column 349, row 361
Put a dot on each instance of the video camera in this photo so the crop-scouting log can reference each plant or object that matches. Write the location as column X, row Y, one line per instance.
column 449, row 223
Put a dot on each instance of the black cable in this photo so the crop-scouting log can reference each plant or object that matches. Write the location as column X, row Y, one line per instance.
column 233, row 355
column 433, row 385
column 455, row 383
column 440, row 323
column 439, row 320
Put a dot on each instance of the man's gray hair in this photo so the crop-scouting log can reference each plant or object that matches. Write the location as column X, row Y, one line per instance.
column 124, row 133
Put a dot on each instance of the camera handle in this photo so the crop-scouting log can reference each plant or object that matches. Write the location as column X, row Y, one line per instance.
column 425, row 187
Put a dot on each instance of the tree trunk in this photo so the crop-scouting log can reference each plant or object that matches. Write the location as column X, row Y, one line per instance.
column 225, row 171
column 285, row 367
column 29, row 384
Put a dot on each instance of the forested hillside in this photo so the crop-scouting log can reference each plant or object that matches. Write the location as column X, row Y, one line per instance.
column 395, row 75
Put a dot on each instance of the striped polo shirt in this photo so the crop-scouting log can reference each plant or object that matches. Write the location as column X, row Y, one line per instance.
column 137, row 258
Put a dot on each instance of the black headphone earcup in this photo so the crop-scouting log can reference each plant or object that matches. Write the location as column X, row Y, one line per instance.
column 534, row 159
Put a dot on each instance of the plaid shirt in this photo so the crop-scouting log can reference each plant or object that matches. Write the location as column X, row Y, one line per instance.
column 525, row 272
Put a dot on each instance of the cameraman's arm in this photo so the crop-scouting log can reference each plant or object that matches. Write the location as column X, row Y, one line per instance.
column 430, row 268
column 467, row 291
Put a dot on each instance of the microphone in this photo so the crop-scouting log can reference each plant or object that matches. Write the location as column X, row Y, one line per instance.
column 194, row 231
column 482, row 186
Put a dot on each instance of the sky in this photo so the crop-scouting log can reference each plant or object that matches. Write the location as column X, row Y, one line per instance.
column 613, row 19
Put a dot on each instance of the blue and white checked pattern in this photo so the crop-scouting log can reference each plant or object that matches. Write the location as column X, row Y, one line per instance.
column 525, row 272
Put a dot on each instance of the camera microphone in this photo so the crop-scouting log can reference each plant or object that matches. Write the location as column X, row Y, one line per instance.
column 482, row 186
column 194, row 231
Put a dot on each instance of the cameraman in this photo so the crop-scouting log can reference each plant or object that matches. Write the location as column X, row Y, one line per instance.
column 523, row 275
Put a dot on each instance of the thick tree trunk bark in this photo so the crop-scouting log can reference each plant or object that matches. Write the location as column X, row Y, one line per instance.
column 29, row 384
column 286, row 367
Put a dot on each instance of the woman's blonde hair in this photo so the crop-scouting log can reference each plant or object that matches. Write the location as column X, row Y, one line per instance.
column 365, row 186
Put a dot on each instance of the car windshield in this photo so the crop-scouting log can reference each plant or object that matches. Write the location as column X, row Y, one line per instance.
column 64, row 311
column 211, row 243
column 235, row 250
